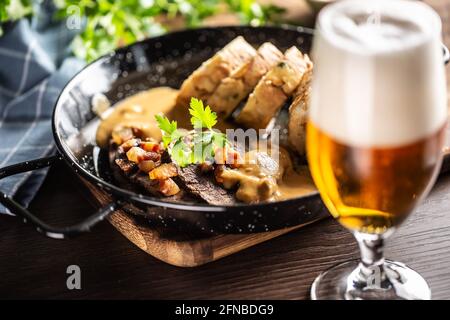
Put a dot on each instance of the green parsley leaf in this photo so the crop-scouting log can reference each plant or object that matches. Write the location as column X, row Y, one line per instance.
column 181, row 153
column 202, row 137
column 219, row 139
column 201, row 117
column 165, row 125
column 166, row 139
column 168, row 128
column 203, row 147
column 198, row 145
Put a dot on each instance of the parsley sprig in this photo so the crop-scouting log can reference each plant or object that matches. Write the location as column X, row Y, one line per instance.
column 195, row 146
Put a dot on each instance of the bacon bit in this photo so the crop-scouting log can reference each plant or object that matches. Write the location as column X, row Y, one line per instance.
column 147, row 165
column 227, row 156
column 137, row 155
column 127, row 145
column 150, row 146
column 154, row 156
column 168, row 187
column 233, row 158
column 164, row 171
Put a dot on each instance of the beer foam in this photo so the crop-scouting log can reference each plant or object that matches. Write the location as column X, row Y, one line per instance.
column 379, row 77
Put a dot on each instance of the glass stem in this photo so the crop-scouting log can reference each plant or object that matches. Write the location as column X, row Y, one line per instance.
column 371, row 269
column 371, row 247
column 376, row 279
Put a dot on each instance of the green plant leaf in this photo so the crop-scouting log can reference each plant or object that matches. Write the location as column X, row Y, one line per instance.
column 11, row 10
column 219, row 139
column 165, row 124
column 115, row 23
column 168, row 128
column 201, row 117
column 181, row 153
column 196, row 146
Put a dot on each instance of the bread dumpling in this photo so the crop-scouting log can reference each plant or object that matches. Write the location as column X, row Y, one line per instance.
column 274, row 89
column 235, row 88
column 203, row 81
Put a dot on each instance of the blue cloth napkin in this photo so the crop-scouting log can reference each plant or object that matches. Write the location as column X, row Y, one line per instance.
column 35, row 64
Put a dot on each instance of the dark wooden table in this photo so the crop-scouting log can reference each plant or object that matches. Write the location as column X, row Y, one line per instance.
column 32, row 266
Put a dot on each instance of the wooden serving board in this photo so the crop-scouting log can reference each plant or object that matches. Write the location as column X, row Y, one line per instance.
column 186, row 250
column 180, row 250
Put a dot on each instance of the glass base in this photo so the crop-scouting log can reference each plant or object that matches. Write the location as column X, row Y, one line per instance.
column 351, row 280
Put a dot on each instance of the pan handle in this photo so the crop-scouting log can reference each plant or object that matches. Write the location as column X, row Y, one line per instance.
column 41, row 226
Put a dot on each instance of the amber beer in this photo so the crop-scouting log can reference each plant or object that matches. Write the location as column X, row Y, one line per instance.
column 372, row 189
column 377, row 110
column 377, row 118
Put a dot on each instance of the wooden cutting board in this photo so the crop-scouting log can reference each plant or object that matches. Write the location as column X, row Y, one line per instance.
column 182, row 250
column 186, row 250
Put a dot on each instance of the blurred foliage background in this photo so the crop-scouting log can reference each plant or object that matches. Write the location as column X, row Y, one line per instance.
column 107, row 24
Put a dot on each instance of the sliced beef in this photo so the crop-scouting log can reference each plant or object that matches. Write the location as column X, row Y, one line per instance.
column 128, row 176
column 196, row 183
column 203, row 185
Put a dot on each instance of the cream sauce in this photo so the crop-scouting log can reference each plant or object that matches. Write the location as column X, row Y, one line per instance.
column 262, row 178
column 139, row 111
column 295, row 183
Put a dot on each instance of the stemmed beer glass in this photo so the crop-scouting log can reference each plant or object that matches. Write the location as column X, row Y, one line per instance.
column 376, row 129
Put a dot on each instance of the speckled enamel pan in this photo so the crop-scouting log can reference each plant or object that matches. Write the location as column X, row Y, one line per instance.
column 160, row 61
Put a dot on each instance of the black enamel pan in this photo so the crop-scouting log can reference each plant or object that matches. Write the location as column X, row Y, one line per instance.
column 167, row 61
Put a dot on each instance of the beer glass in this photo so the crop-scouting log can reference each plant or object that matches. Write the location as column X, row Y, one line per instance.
column 376, row 130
